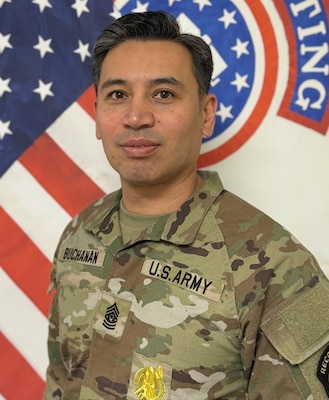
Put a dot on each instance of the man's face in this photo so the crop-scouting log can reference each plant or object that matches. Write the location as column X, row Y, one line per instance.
column 149, row 115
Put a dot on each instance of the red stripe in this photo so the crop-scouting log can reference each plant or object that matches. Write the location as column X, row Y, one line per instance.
column 17, row 379
column 59, row 175
column 87, row 100
column 24, row 263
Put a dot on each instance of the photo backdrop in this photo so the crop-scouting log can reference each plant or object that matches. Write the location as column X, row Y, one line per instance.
column 270, row 144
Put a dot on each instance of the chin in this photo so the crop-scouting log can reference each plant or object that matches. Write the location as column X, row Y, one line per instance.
column 139, row 177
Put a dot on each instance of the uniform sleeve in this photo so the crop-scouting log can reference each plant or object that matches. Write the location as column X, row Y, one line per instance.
column 290, row 356
column 57, row 374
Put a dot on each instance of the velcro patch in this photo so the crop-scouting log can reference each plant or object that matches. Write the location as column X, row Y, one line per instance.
column 169, row 273
column 84, row 256
column 112, row 316
column 290, row 326
column 323, row 370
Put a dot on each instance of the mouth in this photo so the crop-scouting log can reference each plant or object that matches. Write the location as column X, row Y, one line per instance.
column 139, row 147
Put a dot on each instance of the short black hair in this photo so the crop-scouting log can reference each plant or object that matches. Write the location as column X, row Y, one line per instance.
column 154, row 25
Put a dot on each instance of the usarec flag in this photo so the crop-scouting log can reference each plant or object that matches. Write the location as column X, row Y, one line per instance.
column 270, row 143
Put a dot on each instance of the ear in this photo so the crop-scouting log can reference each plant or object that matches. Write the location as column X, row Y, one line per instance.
column 98, row 135
column 209, row 110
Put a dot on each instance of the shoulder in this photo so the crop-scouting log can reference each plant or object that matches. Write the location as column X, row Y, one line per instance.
column 249, row 231
column 268, row 263
column 93, row 214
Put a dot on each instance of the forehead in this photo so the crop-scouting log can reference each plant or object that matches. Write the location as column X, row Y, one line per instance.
column 139, row 57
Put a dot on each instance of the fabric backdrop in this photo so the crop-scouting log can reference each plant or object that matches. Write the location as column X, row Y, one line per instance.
column 270, row 144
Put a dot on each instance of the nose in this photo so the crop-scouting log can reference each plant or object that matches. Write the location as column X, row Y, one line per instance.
column 139, row 114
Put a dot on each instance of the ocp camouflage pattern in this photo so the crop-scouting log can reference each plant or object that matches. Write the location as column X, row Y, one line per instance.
column 207, row 302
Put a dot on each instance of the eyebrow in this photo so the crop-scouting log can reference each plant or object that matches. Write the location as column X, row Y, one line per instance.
column 153, row 82
column 166, row 80
column 112, row 82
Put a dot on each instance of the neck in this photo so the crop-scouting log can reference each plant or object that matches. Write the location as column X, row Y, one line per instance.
column 159, row 198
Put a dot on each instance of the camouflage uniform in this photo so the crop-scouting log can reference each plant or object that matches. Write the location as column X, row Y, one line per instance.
column 218, row 301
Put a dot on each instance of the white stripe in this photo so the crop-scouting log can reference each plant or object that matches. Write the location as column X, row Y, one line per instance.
column 74, row 133
column 1, row 397
column 23, row 324
column 32, row 208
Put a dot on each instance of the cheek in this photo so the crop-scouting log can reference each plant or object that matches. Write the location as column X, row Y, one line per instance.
column 189, row 126
column 105, row 125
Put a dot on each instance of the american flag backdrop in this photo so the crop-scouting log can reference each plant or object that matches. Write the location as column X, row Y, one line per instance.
column 48, row 170
column 51, row 165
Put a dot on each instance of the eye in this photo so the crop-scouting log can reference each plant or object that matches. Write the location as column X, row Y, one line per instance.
column 117, row 95
column 164, row 95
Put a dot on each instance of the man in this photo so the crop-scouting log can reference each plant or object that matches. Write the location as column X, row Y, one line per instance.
column 172, row 287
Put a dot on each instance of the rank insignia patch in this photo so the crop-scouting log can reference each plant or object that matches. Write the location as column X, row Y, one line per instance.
column 111, row 316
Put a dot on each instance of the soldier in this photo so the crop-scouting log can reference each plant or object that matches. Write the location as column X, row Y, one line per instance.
column 172, row 287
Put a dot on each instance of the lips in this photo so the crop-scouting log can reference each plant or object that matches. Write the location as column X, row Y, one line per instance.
column 139, row 147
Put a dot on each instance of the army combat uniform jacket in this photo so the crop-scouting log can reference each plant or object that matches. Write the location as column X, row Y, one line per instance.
column 217, row 301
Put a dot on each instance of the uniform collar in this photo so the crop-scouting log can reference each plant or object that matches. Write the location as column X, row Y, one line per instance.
column 181, row 226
